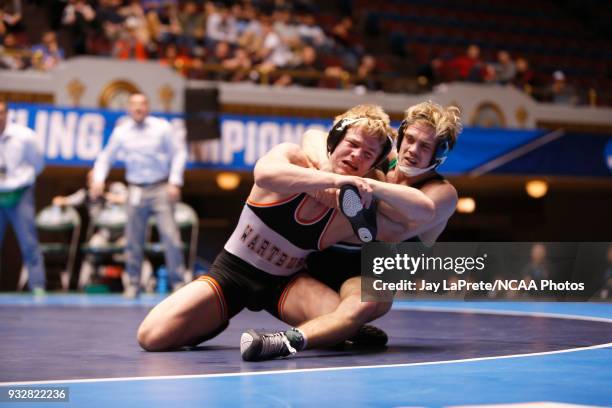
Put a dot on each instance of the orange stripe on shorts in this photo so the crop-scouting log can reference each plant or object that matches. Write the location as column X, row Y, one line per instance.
column 220, row 297
column 283, row 297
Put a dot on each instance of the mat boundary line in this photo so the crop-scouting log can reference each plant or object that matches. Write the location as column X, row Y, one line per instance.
column 347, row 368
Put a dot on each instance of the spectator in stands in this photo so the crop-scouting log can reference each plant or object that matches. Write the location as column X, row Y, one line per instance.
column 524, row 78
column 505, row 69
column 343, row 34
column 175, row 60
column 245, row 15
column 308, row 70
column 78, row 16
column 237, row 11
column 191, row 22
column 240, row 64
column 488, row 73
column 285, row 26
column 251, row 37
column 467, row 67
column 221, row 25
column 133, row 8
column 110, row 19
column 130, row 45
column 311, row 72
column 135, row 14
column 222, row 53
column 164, row 24
column 560, row 92
column 8, row 21
column 310, row 32
column 157, row 6
column 433, row 73
column 11, row 55
column 366, row 74
column 274, row 52
column 47, row 54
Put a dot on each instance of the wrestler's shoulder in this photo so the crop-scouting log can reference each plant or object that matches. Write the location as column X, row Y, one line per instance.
column 442, row 189
column 290, row 150
column 315, row 132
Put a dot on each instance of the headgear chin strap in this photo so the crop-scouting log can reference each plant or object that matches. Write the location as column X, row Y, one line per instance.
column 337, row 133
column 414, row 171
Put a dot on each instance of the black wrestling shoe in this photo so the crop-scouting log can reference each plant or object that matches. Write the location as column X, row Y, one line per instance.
column 363, row 220
column 369, row 336
column 264, row 346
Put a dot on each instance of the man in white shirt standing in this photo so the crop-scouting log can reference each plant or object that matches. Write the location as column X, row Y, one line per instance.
column 155, row 161
column 21, row 161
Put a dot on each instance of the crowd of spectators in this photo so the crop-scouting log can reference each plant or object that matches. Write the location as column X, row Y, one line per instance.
column 280, row 42
column 504, row 70
column 243, row 41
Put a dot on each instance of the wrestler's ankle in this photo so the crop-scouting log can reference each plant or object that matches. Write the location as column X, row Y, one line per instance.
column 296, row 338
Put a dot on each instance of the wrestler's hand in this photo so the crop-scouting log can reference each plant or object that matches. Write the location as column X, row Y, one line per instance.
column 327, row 197
column 59, row 201
column 313, row 163
column 96, row 189
column 365, row 190
column 174, row 193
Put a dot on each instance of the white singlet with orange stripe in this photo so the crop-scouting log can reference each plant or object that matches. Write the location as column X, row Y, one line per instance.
column 273, row 238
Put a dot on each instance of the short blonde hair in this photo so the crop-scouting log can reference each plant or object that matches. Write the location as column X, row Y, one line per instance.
column 371, row 118
column 445, row 121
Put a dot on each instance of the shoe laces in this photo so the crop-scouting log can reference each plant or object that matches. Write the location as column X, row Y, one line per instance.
column 275, row 344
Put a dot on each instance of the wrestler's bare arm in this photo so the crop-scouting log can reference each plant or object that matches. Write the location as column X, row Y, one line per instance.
column 401, row 203
column 314, row 144
column 284, row 170
column 444, row 197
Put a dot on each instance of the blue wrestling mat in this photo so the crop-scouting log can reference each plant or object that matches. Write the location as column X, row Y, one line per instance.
column 439, row 354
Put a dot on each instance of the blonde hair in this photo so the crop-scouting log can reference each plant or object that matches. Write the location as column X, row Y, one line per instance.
column 445, row 121
column 371, row 118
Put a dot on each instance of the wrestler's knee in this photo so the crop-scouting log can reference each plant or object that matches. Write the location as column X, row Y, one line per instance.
column 356, row 310
column 153, row 337
column 159, row 332
column 382, row 308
